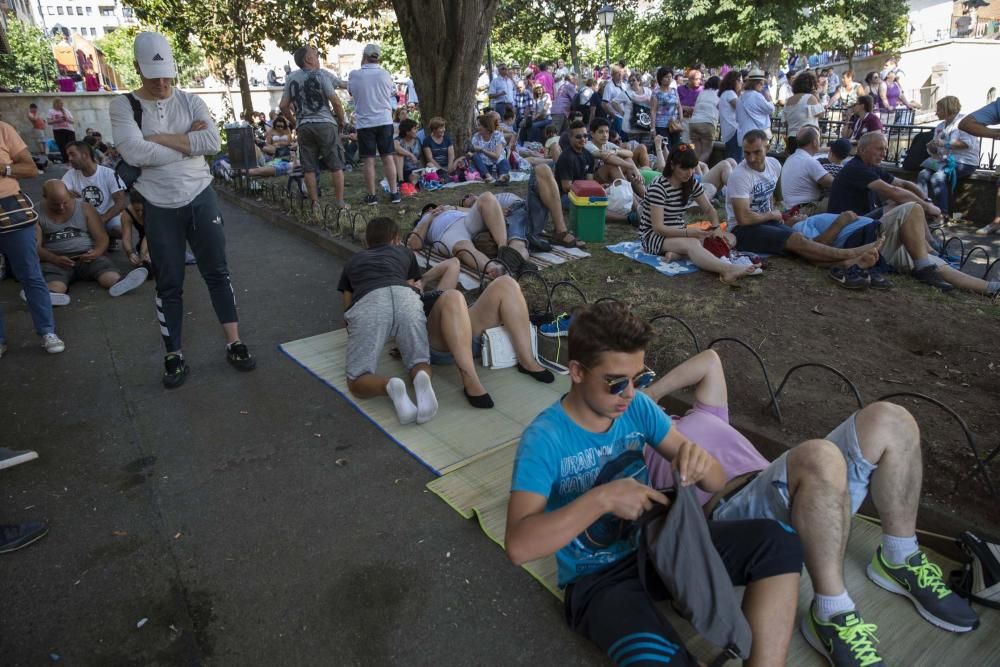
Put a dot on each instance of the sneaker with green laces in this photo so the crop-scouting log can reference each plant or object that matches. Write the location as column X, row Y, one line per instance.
column 845, row 640
column 920, row 581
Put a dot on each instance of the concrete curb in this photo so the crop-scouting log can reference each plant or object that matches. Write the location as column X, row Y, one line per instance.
column 341, row 248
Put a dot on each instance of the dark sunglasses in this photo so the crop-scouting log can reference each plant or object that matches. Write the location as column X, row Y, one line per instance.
column 617, row 385
column 579, row 136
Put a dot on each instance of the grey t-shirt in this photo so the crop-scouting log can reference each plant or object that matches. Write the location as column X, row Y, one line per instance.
column 378, row 267
column 310, row 91
column 67, row 238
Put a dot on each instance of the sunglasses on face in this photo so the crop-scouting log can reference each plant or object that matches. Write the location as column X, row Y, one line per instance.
column 579, row 136
column 618, row 385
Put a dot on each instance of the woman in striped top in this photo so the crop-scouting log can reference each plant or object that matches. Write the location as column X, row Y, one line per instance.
column 662, row 228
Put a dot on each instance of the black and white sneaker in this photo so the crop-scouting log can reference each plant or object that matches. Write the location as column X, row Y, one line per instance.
column 239, row 356
column 371, row 200
column 175, row 371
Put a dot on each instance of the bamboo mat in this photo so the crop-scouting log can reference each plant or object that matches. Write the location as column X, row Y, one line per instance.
column 459, row 433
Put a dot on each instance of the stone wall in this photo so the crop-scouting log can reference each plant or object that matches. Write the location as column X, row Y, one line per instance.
column 91, row 109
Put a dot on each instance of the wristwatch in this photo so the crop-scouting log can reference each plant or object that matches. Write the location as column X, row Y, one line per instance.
column 8, row 170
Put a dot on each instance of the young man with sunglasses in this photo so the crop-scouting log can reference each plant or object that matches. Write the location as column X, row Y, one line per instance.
column 580, row 480
column 574, row 163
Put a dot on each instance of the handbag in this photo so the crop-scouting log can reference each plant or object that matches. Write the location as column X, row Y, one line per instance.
column 640, row 118
column 675, row 126
column 498, row 350
column 619, row 198
column 17, row 212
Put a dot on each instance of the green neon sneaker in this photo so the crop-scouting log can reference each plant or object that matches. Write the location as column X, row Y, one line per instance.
column 920, row 580
column 845, row 640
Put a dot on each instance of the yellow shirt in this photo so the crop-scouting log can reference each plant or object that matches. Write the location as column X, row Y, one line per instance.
column 10, row 145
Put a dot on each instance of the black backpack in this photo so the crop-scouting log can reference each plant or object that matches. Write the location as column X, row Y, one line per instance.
column 917, row 152
column 127, row 173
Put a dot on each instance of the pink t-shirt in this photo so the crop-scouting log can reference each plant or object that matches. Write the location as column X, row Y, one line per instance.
column 60, row 120
column 709, row 428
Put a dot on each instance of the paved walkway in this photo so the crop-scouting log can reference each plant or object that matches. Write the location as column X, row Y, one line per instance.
column 218, row 512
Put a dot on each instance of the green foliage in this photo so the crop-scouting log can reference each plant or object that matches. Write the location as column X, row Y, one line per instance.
column 30, row 64
column 393, row 53
column 117, row 48
column 547, row 49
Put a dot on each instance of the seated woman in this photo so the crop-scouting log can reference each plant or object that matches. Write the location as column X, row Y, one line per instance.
column 276, row 167
column 552, row 148
column 640, row 154
column 455, row 330
column 278, row 139
column 452, row 228
column 712, row 180
column 489, row 150
column 662, row 228
column 542, row 114
column 408, row 152
column 439, row 149
column 862, row 120
column 954, row 153
column 381, row 300
column 398, row 116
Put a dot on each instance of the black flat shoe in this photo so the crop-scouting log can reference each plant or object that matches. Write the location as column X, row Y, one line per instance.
column 544, row 375
column 484, row 401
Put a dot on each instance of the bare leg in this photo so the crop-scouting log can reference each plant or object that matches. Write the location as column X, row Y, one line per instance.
column 492, row 214
column 503, row 303
column 337, row 178
column 310, row 178
column 449, row 328
column 703, row 371
column 769, row 607
column 108, row 278
column 963, row 280
column 815, row 252
column 520, row 247
column 718, row 175
column 548, row 192
column 821, row 511
column 468, row 255
column 368, row 385
column 368, row 169
column 890, row 438
column 389, row 168
column 231, row 330
column 641, row 156
column 444, row 274
column 58, row 287
column 705, row 260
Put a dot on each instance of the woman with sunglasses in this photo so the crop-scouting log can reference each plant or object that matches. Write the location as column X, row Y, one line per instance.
column 278, row 140
column 663, row 229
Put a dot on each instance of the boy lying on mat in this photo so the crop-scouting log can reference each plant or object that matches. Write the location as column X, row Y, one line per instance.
column 814, row 487
column 580, row 480
column 382, row 300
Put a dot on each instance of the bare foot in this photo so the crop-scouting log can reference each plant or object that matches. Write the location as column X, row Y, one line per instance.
column 670, row 256
column 730, row 276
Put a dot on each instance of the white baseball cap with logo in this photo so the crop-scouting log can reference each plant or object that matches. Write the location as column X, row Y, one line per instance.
column 152, row 53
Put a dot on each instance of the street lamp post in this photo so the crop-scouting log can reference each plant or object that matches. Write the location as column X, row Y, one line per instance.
column 605, row 18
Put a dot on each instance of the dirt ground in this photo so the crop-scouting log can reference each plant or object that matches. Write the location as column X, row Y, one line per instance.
column 908, row 339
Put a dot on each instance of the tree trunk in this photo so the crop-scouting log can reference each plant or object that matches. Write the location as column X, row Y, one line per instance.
column 574, row 56
column 241, row 74
column 444, row 44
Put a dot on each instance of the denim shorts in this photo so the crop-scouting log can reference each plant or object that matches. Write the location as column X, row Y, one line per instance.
column 445, row 358
column 766, row 496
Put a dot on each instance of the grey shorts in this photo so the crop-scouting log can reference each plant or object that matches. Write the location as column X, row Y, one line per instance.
column 320, row 140
column 766, row 497
column 389, row 312
column 82, row 271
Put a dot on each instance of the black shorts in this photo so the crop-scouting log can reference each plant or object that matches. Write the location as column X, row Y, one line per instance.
column 612, row 609
column 767, row 238
column 375, row 139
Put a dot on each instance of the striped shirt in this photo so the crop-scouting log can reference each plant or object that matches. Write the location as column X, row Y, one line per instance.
column 662, row 193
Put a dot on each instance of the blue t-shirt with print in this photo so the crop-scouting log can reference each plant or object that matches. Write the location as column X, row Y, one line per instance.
column 561, row 461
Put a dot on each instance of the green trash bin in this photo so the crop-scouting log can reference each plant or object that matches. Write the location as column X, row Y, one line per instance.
column 587, row 216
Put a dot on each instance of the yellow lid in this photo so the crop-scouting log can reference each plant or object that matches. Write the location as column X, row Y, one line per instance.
column 585, row 201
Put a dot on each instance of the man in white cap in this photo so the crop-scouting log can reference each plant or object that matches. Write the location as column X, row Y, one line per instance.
column 374, row 99
column 167, row 132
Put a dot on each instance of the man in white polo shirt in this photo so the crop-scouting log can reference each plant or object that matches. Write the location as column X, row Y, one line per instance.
column 803, row 178
column 374, row 99
column 167, row 132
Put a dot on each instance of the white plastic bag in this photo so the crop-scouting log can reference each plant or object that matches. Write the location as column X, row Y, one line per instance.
column 619, row 198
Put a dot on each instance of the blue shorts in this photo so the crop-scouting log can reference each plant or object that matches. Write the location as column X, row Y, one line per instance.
column 445, row 358
column 768, row 238
column 766, row 496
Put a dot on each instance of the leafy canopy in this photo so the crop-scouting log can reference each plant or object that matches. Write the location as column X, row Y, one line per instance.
column 30, row 64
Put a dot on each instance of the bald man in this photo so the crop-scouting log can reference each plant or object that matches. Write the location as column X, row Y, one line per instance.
column 72, row 242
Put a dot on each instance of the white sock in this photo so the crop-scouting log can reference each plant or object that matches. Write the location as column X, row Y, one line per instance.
column 895, row 550
column 831, row 605
column 922, row 263
column 405, row 409
column 427, row 403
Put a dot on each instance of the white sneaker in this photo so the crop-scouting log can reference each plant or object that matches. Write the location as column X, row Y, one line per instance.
column 53, row 344
column 132, row 279
column 56, row 298
column 12, row 457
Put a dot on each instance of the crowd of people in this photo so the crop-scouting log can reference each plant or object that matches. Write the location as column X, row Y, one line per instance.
column 591, row 464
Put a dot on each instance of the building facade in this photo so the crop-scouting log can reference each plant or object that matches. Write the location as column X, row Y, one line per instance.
column 91, row 19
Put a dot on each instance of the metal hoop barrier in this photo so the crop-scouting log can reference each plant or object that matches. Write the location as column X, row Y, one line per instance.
column 980, row 462
column 667, row 316
column 536, row 275
column 854, row 388
column 569, row 285
column 767, row 378
column 483, row 275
